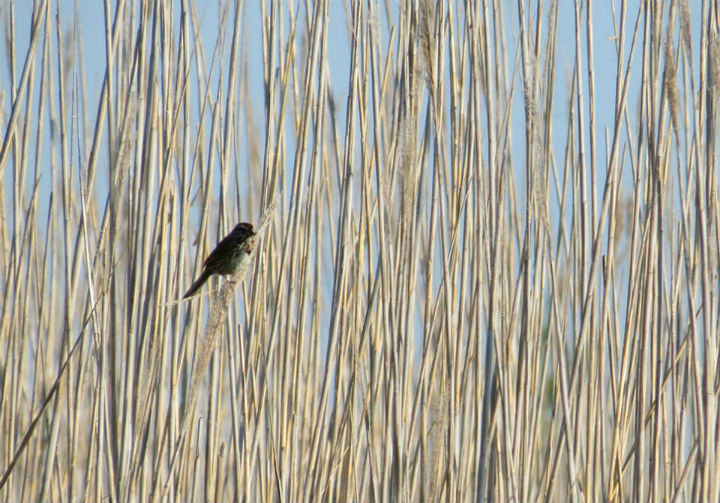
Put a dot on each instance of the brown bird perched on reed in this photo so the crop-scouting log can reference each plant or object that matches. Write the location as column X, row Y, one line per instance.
column 228, row 256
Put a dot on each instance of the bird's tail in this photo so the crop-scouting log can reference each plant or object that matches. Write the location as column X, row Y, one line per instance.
column 198, row 283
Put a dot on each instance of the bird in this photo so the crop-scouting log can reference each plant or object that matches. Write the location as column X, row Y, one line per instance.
column 228, row 256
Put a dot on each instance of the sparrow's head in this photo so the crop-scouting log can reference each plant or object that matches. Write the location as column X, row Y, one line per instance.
column 245, row 229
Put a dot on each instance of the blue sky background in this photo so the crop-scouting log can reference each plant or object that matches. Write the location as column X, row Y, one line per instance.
column 89, row 19
column 90, row 22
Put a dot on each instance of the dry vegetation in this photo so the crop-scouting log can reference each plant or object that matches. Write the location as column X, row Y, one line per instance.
column 466, row 287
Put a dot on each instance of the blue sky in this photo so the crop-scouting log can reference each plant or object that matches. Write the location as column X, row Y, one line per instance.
column 90, row 23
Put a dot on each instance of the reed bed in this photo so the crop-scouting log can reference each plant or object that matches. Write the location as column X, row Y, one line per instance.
column 482, row 273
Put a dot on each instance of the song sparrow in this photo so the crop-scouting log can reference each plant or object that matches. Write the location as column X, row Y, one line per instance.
column 227, row 257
